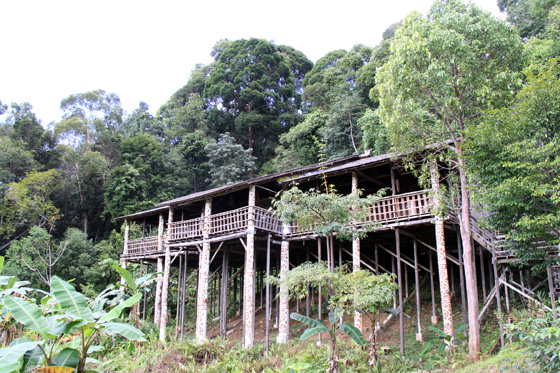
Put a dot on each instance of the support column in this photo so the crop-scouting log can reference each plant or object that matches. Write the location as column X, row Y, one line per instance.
column 224, row 298
column 165, row 285
column 356, row 257
column 284, row 322
column 419, row 336
column 123, row 261
column 249, row 282
column 203, row 274
column 399, row 279
column 441, row 255
column 159, row 279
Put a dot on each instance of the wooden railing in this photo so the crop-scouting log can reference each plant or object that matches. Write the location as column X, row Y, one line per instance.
column 401, row 207
column 266, row 221
column 142, row 246
column 186, row 229
column 386, row 210
column 229, row 221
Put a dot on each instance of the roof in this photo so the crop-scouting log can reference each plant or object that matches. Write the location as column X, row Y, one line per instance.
column 331, row 167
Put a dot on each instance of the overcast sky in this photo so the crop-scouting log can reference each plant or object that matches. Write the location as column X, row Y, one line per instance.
column 145, row 50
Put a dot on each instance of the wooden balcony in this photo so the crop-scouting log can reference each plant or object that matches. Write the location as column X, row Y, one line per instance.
column 141, row 246
column 386, row 211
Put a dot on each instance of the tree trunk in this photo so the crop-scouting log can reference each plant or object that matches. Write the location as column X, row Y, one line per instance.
column 333, row 358
column 445, row 294
column 469, row 263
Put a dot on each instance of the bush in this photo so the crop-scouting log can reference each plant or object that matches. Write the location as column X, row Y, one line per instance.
column 540, row 332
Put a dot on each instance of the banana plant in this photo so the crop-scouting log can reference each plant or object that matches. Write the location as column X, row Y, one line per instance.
column 66, row 331
column 317, row 326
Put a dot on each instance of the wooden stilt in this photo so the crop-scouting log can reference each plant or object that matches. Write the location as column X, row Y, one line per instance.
column 249, row 275
column 267, row 307
column 498, row 296
column 203, row 276
column 284, row 322
column 165, row 286
column 419, row 336
column 184, row 290
column 399, row 278
column 434, row 319
column 307, row 298
column 482, row 270
column 462, row 279
column 224, row 300
column 159, row 268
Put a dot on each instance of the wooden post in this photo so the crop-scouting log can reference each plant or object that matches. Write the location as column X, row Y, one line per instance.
column 307, row 298
column 159, row 278
column 399, row 278
column 126, row 234
column 223, row 311
column 432, row 288
column 203, row 274
column 165, row 286
column 441, row 255
column 267, row 306
column 419, row 336
column 184, row 289
column 249, row 281
column 498, row 296
column 356, row 256
column 462, row 279
column 482, row 272
column 284, row 322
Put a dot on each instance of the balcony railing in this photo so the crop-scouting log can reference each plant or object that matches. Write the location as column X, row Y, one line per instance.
column 401, row 207
column 142, row 246
column 387, row 210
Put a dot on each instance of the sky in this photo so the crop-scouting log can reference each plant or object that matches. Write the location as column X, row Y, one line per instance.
column 146, row 50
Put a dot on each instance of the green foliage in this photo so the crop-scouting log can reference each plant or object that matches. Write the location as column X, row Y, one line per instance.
column 375, row 133
column 539, row 331
column 66, row 327
column 529, row 16
column 29, row 202
column 326, row 213
column 444, row 70
column 228, row 162
column 514, row 155
column 252, row 82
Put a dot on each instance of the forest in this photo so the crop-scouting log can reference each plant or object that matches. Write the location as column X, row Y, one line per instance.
column 491, row 87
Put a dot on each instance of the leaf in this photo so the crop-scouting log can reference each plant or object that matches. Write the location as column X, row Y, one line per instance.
column 306, row 320
column 333, row 317
column 10, row 357
column 126, row 275
column 31, row 359
column 116, row 312
column 28, row 314
column 312, row 331
column 127, row 331
column 68, row 357
column 1, row 263
column 353, row 333
column 66, row 294
column 82, row 313
column 56, row 370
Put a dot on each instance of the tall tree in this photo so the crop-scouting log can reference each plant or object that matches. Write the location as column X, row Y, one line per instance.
column 229, row 163
column 253, row 84
column 515, row 157
column 529, row 16
column 444, row 70
column 88, row 115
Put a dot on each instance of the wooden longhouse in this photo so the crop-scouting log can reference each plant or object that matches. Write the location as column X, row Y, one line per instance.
column 233, row 240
